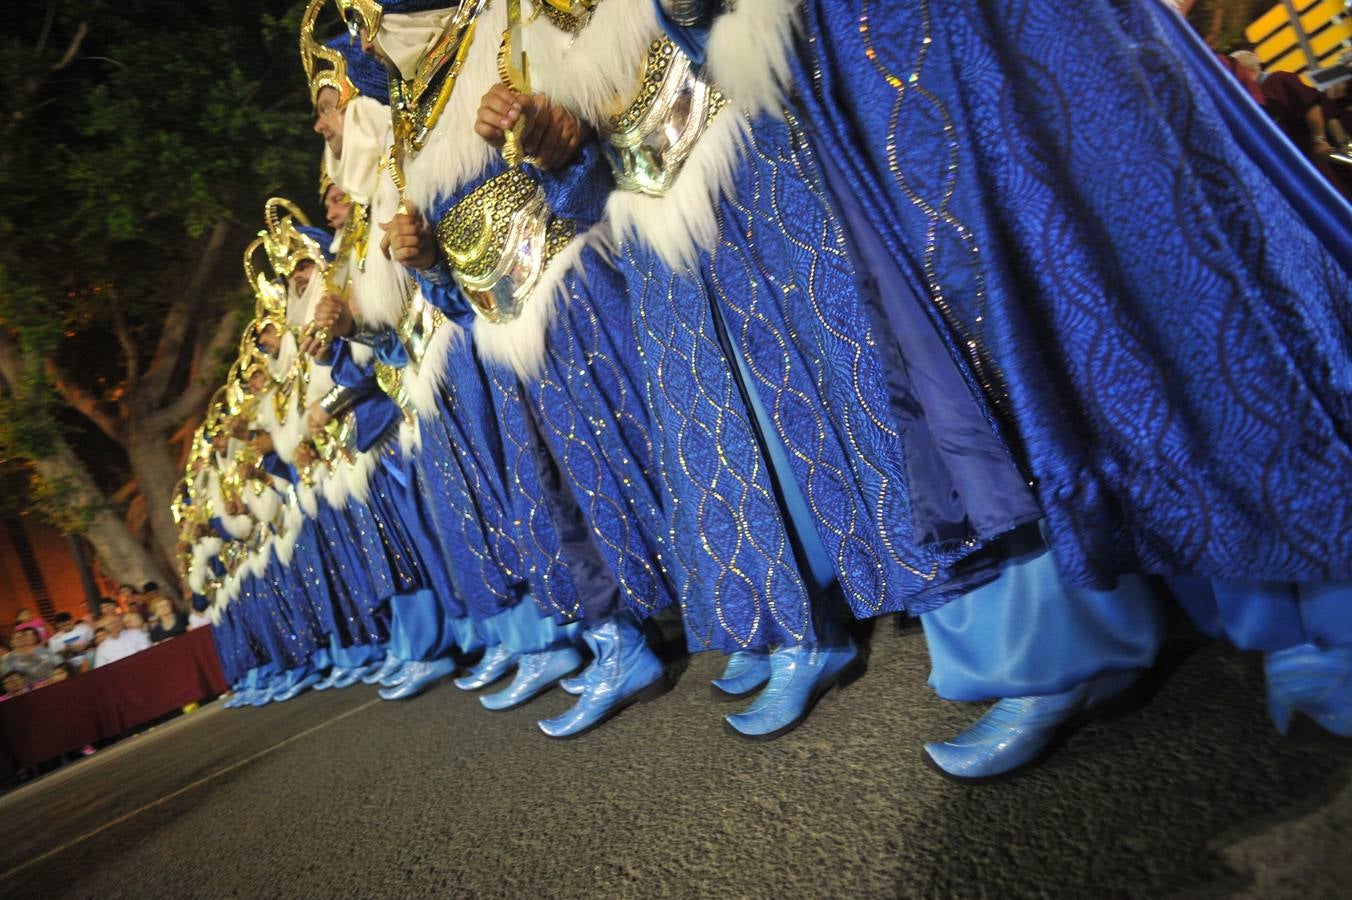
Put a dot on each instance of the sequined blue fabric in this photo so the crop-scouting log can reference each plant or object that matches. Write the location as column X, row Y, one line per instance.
column 1161, row 326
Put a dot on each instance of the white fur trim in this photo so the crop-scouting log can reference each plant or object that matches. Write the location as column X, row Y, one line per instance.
column 308, row 499
column 425, row 382
column 334, row 487
column 410, row 438
column 749, row 53
column 264, row 506
column 288, row 435
column 454, row 154
column 379, row 294
column 684, row 221
column 600, row 68
column 293, row 521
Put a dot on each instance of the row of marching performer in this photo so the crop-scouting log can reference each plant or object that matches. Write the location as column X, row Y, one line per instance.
column 784, row 313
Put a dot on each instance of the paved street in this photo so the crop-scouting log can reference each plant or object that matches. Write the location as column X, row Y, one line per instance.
column 343, row 795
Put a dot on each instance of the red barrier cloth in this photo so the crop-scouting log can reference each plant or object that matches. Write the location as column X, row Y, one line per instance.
column 110, row 700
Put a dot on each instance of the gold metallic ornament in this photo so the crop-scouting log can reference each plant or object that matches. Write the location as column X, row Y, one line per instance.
column 359, row 14
column 499, row 240
column 324, row 66
column 649, row 141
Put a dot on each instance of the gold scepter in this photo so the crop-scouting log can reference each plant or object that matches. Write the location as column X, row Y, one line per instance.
column 514, row 67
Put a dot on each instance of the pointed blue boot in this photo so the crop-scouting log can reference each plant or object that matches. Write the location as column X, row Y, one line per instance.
column 799, row 675
column 298, row 687
column 535, row 674
column 746, row 672
column 328, row 680
column 497, row 661
column 390, row 664
column 419, row 675
column 347, row 677
column 626, row 671
column 1313, row 680
column 578, row 683
column 397, row 677
column 1017, row 731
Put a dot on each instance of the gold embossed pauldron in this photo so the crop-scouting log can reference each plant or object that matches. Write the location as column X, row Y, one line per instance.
column 649, row 141
column 498, row 242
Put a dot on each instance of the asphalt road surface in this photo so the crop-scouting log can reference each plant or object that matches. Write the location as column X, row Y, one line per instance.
column 343, row 795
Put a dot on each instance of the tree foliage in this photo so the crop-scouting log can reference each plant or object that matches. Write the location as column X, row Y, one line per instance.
column 140, row 140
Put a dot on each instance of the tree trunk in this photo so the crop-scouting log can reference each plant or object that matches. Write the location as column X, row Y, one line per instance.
column 156, row 473
column 120, row 553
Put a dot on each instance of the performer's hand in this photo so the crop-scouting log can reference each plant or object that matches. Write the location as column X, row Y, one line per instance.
column 500, row 109
column 305, row 454
column 408, row 240
column 235, row 507
column 316, row 418
column 334, row 315
column 552, row 134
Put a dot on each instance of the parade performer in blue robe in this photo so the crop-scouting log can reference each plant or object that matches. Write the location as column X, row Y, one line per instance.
column 565, row 362
column 568, row 571
column 1152, row 292
column 345, row 87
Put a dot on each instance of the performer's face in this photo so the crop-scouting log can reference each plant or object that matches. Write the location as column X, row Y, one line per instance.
column 329, row 119
column 270, row 341
column 300, row 279
column 337, row 206
column 257, row 382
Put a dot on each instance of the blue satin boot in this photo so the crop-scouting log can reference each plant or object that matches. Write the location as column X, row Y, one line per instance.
column 418, row 676
column 345, row 678
column 298, row 686
column 396, row 676
column 746, row 672
column 390, row 664
column 328, row 680
column 1017, row 731
column 626, row 671
column 497, row 661
column 799, row 675
column 535, row 674
column 1314, row 680
column 578, row 683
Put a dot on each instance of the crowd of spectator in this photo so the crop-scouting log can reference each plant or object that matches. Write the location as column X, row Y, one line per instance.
column 1318, row 123
column 40, row 653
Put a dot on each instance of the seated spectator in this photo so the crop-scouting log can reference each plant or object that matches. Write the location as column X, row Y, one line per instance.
column 30, row 658
column 71, row 636
column 59, row 674
column 14, row 685
column 125, row 594
column 29, row 619
column 165, row 621
column 108, row 607
column 1298, row 110
column 118, row 643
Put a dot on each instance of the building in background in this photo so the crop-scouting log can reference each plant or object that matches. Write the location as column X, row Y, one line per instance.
column 40, row 569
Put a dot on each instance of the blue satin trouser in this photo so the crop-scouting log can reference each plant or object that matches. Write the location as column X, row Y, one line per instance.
column 1031, row 632
column 1269, row 616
